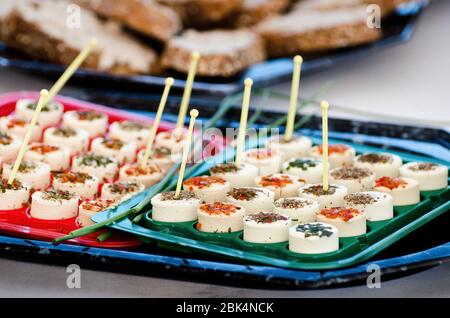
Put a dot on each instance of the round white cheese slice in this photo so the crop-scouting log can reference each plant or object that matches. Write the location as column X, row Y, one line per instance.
column 14, row 196
column 89, row 208
column 298, row 146
column 53, row 205
column 266, row 227
column 50, row 114
column 334, row 197
column 283, row 185
column 242, row 176
column 121, row 190
column 382, row 164
column 148, row 175
column 18, row 127
column 209, row 189
column 353, row 178
column 162, row 157
column 252, row 199
column 76, row 140
column 172, row 139
column 300, row 210
column 130, row 131
column 220, row 217
column 94, row 123
column 266, row 160
column 339, row 155
column 34, row 174
column 431, row 176
column 306, row 168
column 404, row 191
column 377, row 206
column 103, row 167
column 9, row 147
column 313, row 238
column 167, row 208
column 349, row 221
column 79, row 183
column 57, row 157
column 113, row 148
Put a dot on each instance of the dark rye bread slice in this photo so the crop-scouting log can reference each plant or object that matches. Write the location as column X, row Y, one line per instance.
column 39, row 29
column 145, row 16
column 203, row 13
column 254, row 11
column 310, row 31
column 223, row 52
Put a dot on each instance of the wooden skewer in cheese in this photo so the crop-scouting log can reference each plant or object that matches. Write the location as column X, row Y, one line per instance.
column 243, row 122
column 195, row 57
column 324, row 105
column 298, row 60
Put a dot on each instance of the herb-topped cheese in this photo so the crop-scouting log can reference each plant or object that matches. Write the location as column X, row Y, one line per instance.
column 225, row 168
column 317, row 190
column 266, row 217
column 95, row 160
column 50, row 106
column 245, row 194
column 72, row 177
column 54, row 195
column 303, row 164
column 423, row 166
column 88, row 115
column 375, row 158
column 14, row 186
column 5, row 139
column 65, row 132
column 184, row 196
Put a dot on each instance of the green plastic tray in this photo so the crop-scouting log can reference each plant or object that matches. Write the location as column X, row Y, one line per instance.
column 185, row 237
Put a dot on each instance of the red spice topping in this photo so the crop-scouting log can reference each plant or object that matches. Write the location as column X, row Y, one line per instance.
column 339, row 149
column 72, row 177
column 98, row 205
column 203, row 182
column 112, row 143
column 345, row 214
column 261, row 153
column 138, row 170
column 43, row 149
column 88, row 115
column 275, row 181
column 218, row 208
column 14, row 122
column 390, row 183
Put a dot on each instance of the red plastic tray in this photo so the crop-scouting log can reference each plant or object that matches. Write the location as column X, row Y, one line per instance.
column 20, row 223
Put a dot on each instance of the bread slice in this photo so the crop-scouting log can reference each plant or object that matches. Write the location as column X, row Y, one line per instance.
column 203, row 13
column 254, row 11
column 386, row 6
column 145, row 16
column 310, row 31
column 223, row 52
column 40, row 30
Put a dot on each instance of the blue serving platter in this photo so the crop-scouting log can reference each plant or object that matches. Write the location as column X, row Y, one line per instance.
column 397, row 28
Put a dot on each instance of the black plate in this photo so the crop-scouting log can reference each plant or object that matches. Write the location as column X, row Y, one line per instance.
column 397, row 28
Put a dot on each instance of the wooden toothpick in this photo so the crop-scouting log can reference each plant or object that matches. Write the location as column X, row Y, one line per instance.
column 298, row 60
column 243, row 123
column 324, row 105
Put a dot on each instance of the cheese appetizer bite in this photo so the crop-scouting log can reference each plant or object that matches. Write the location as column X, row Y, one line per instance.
column 34, row 174
column 253, row 200
column 76, row 140
column 382, row 164
column 313, row 238
column 130, row 131
column 57, row 157
column 89, row 208
column 298, row 146
column 171, row 139
column 220, row 217
column 208, row 188
column 114, row 148
column 266, row 160
column 308, row 169
column 377, row 206
column 121, row 190
column 94, row 123
column 431, row 176
column 161, row 156
column 242, row 176
column 298, row 209
column 338, row 155
column 54, row 205
column 283, row 185
column 13, row 196
column 9, row 147
column 266, row 227
column 103, row 167
column 148, row 175
column 404, row 191
column 167, row 208
column 50, row 114
column 12, row 125
column 79, row 183
column 333, row 197
column 349, row 221
column 353, row 178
